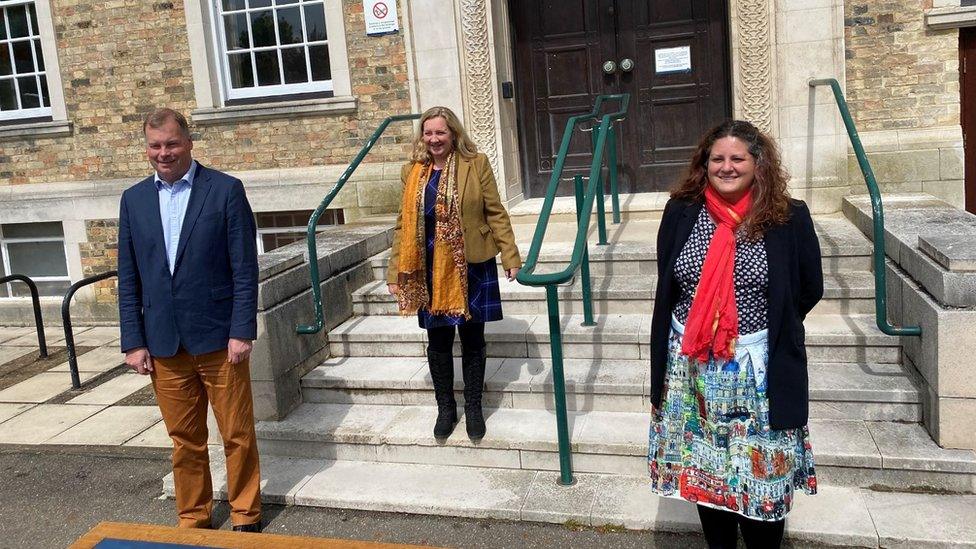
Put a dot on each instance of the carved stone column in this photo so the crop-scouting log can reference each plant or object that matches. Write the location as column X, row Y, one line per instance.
column 480, row 113
column 753, row 63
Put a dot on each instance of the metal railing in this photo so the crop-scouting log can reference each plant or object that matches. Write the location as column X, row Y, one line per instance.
column 604, row 139
column 877, row 209
column 313, row 256
column 69, row 336
column 36, row 302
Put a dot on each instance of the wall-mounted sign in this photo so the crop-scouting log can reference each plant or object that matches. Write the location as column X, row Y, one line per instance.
column 381, row 17
column 672, row 60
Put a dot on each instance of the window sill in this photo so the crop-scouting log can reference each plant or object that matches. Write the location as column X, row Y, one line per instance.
column 34, row 130
column 950, row 18
column 261, row 111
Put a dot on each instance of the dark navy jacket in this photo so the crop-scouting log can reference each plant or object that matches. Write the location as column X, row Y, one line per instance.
column 212, row 294
column 795, row 286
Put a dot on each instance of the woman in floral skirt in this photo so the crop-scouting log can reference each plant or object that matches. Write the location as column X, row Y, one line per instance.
column 739, row 268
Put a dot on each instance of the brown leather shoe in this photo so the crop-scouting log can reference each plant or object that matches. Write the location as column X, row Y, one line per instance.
column 254, row 527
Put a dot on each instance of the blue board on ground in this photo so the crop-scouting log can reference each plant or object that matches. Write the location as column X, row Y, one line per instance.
column 112, row 543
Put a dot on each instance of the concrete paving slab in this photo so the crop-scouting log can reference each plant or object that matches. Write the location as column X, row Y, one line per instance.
column 909, row 446
column 98, row 336
column 423, row 489
column 548, row 501
column 8, row 410
column 52, row 336
column 834, row 516
column 97, row 360
column 9, row 353
column 113, row 390
column 41, row 387
column 614, row 433
column 153, row 437
column 843, row 443
column 515, row 374
column 112, row 426
column 367, row 372
column 908, row 521
column 12, row 332
column 632, row 504
column 40, row 423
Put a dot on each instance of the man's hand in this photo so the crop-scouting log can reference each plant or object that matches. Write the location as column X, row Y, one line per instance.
column 238, row 350
column 511, row 273
column 139, row 360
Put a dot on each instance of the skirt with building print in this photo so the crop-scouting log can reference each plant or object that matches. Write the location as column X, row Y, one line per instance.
column 710, row 441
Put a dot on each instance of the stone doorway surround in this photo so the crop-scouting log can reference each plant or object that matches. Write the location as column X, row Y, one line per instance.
column 777, row 46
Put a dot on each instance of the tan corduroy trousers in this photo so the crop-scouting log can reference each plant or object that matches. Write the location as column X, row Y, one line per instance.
column 184, row 383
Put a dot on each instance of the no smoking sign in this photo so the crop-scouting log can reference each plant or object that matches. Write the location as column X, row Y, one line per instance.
column 381, row 17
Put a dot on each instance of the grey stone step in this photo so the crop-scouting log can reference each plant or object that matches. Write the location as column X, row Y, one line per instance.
column 829, row 338
column 898, row 456
column 835, row 517
column 878, row 392
column 850, row 292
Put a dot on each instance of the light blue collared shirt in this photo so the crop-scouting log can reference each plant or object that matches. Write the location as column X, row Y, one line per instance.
column 173, row 200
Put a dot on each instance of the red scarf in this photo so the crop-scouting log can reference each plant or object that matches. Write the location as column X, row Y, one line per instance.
column 713, row 322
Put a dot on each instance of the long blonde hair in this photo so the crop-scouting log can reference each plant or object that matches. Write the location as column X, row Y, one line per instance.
column 461, row 142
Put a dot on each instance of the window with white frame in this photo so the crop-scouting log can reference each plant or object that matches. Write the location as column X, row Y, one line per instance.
column 276, row 229
column 36, row 250
column 23, row 78
column 272, row 47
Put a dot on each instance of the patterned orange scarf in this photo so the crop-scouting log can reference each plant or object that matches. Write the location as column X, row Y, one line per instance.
column 449, row 271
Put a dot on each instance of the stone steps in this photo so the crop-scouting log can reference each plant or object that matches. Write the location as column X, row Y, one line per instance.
column 829, row 338
column 889, row 455
column 875, row 392
column 836, row 516
column 851, row 293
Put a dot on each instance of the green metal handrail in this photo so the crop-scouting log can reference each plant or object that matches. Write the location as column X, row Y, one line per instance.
column 313, row 256
column 880, row 287
column 603, row 136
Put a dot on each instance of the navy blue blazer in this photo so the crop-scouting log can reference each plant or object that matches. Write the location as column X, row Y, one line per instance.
column 212, row 294
column 795, row 286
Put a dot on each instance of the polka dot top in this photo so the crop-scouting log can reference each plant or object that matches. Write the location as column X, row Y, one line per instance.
column 751, row 275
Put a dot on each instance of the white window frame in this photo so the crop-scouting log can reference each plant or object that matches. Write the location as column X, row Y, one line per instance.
column 37, row 74
column 220, row 39
column 59, row 124
column 209, row 72
column 4, row 241
column 302, row 229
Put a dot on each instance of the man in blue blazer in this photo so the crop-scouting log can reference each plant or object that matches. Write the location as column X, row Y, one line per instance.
column 188, row 278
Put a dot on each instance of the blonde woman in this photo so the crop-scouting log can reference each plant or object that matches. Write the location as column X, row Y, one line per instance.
column 442, row 267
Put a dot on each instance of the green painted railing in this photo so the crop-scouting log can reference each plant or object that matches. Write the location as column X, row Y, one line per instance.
column 313, row 256
column 604, row 139
column 880, row 287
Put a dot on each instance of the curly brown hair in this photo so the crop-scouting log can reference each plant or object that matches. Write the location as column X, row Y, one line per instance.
column 770, row 199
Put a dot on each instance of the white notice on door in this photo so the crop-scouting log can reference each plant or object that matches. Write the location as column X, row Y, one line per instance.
column 672, row 59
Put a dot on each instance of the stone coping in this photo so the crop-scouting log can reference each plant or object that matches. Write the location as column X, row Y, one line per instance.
column 929, row 239
column 951, row 17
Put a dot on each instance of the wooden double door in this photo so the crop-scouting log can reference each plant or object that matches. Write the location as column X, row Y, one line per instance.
column 671, row 56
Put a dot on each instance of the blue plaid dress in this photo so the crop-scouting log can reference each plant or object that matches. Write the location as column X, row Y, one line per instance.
column 484, row 298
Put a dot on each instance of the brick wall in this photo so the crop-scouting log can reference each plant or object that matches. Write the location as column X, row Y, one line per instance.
column 119, row 59
column 899, row 75
column 101, row 254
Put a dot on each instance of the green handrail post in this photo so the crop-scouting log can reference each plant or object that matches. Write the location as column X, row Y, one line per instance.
column 601, row 214
column 877, row 209
column 585, row 267
column 614, row 194
column 559, row 386
column 580, row 255
column 313, row 256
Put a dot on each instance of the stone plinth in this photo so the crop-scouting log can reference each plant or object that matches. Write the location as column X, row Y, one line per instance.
column 281, row 356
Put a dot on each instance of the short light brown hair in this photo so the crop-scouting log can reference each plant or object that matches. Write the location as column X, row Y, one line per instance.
column 162, row 115
column 462, row 143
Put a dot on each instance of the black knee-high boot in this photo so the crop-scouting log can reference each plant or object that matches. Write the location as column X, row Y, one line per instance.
column 473, row 368
column 442, row 373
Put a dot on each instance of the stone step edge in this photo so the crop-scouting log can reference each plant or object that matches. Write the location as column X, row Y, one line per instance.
column 836, row 516
column 374, row 384
column 625, row 448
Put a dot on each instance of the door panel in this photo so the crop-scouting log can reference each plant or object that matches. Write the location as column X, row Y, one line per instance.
column 560, row 47
column 967, row 80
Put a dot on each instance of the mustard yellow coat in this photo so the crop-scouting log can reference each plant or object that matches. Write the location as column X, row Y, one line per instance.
column 485, row 224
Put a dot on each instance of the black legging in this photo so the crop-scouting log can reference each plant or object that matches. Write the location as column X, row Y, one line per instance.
column 721, row 530
column 442, row 339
